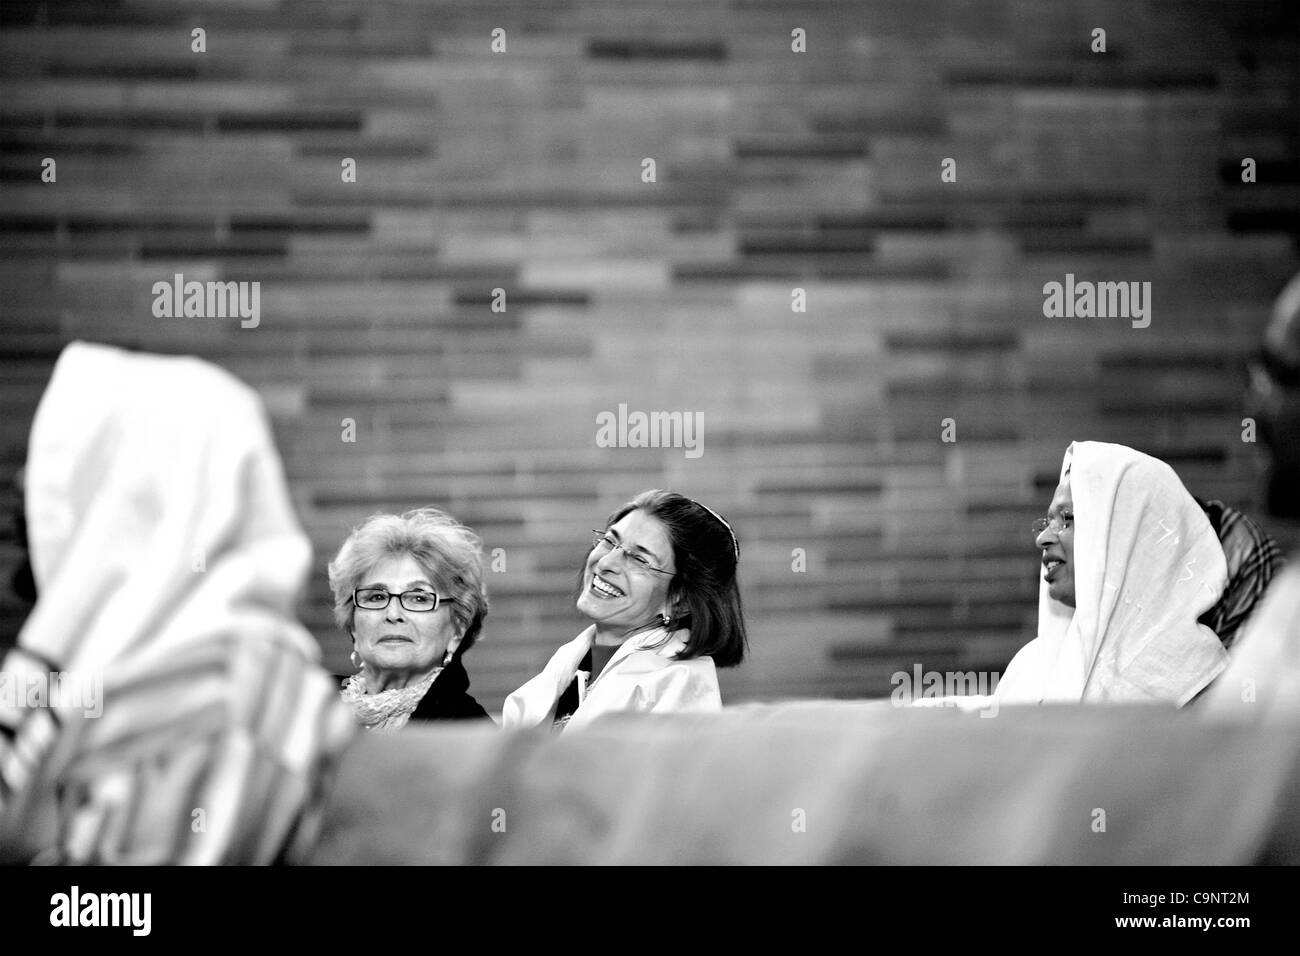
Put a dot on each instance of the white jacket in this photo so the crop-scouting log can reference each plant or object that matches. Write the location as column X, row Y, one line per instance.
column 639, row 678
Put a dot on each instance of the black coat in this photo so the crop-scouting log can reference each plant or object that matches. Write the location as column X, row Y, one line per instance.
column 448, row 697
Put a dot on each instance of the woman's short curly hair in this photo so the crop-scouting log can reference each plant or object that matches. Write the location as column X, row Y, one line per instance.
column 448, row 552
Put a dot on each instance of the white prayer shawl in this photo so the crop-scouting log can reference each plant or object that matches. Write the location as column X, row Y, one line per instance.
column 168, row 561
column 1147, row 564
column 640, row 678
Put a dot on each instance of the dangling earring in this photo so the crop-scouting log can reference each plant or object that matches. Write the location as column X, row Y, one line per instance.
column 664, row 618
column 356, row 661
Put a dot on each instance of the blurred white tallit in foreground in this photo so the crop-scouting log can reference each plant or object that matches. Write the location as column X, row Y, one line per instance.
column 167, row 561
column 829, row 782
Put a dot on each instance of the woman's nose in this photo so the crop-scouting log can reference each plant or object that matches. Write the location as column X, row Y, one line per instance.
column 1045, row 537
column 394, row 613
column 610, row 561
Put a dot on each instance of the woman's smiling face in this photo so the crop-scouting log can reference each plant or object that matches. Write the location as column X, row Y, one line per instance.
column 619, row 594
column 1056, row 543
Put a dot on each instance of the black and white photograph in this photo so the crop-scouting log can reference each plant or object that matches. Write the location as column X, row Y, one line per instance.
column 649, row 434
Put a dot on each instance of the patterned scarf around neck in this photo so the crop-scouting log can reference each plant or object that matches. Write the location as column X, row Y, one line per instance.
column 388, row 709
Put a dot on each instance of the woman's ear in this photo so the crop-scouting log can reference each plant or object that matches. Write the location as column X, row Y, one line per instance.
column 452, row 646
column 674, row 597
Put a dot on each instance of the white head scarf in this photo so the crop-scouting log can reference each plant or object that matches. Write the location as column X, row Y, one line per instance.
column 167, row 561
column 1147, row 564
column 157, row 511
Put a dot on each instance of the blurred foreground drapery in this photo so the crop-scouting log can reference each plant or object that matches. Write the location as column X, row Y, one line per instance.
column 830, row 782
column 167, row 559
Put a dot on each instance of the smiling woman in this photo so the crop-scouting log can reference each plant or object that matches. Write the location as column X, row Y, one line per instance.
column 1129, row 561
column 659, row 588
column 1054, row 536
column 408, row 589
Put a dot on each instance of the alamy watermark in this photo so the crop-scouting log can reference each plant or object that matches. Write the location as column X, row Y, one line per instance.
column 208, row 300
column 75, row 908
column 635, row 429
column 1101, row 300
column 970, row 689
column 65, row 690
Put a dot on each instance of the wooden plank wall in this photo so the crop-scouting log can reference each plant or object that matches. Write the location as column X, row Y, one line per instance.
column 775, row 170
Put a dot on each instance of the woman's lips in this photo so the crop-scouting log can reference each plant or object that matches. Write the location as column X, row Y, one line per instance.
column 1050, row 568
column 395, row 639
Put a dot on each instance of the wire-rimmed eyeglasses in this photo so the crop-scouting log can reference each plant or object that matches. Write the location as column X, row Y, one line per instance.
column 1058, row 523
column 603, row 542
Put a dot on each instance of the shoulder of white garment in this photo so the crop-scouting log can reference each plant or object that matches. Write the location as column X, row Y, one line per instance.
column 534, row 702
column 648, row 681
column 575, row 649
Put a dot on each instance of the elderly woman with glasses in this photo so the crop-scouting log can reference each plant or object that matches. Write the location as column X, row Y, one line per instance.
column 660, row 592
column 408, row 590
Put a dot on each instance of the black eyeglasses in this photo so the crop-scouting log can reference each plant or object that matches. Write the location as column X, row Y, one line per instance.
column 377, row 599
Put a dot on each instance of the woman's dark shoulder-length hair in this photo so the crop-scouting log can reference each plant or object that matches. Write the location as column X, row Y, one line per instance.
column 705, row 591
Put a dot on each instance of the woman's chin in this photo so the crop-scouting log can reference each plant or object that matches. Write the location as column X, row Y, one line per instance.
column 598, row 610
column 1062, row 595
column 590, row 608
column 405, row 663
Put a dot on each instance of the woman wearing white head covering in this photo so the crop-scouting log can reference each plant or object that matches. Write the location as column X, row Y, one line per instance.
column 1130, row 562
column 167, row 562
